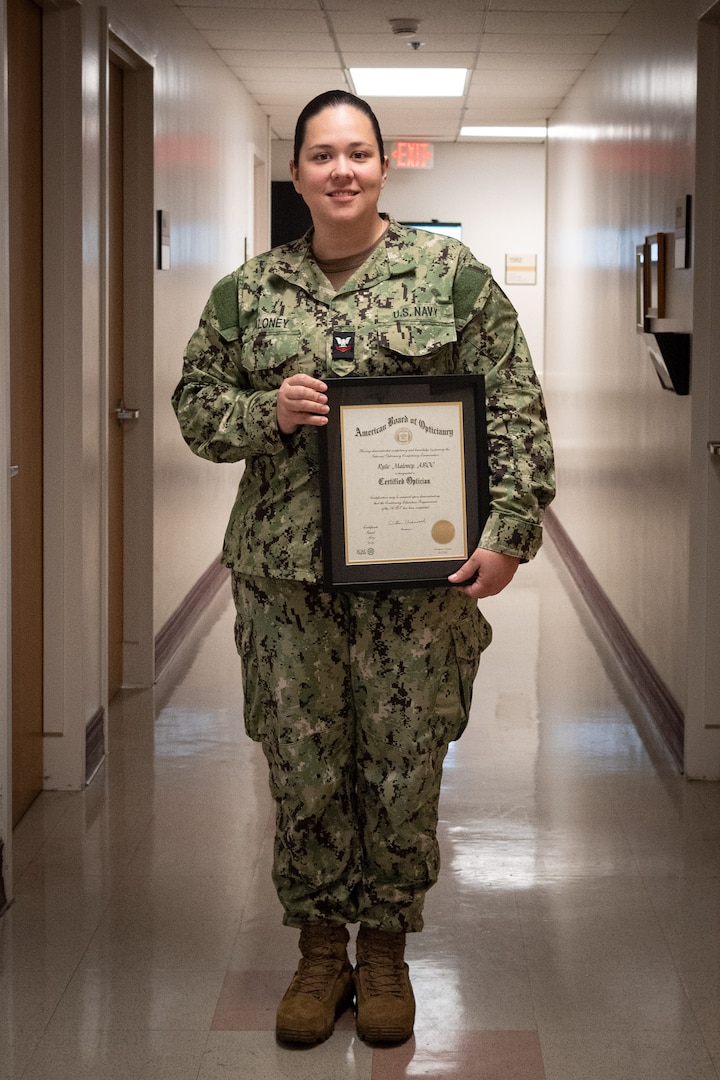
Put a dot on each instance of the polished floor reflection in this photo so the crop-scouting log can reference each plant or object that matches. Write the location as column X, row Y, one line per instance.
column 574, row 934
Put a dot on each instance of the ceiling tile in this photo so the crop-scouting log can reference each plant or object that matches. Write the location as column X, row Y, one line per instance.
column 550, row 61
column 440, row 20
column 255, row 19
column 398, row 9
column 561, row 5
column 284, row 42
column 508, row 80
column 538, row 43
column 267, row 95
column 408, row 60
column 286, row 51
column 247, row 5
column 551, row 22
column 277, row 61
column 491, row 113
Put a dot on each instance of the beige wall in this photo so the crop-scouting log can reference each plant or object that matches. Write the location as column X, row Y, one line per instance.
column 204, row 136
column 621, row 152
column 207, row 134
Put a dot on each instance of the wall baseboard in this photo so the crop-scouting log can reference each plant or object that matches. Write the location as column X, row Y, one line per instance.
column 176, row 629
column 653, row 695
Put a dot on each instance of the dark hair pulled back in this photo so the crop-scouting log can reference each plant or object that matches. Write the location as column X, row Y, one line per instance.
column 331, row 99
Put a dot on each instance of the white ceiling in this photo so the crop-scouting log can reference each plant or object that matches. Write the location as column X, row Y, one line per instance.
column 523, row 55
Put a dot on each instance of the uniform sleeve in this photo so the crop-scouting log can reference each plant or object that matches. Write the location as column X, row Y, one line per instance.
column 520, row 453
column 221, row 417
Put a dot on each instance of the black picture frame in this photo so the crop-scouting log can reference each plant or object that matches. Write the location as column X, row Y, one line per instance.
column 404, row 392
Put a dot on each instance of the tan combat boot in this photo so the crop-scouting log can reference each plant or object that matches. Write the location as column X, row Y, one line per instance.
column 320, row 989
column 385, row 1001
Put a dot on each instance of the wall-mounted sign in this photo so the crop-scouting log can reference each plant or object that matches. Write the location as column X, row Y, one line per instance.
column 412, row 155
column 521, row 269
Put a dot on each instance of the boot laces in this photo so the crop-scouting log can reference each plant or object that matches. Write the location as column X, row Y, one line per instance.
column 384, row 971
column 319, row 964
column 314, row 974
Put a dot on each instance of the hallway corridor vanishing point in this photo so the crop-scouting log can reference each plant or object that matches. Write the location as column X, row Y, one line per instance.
column 574, row 934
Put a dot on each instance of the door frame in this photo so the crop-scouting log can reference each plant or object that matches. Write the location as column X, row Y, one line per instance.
column 77, row 416
column 5, row 627
column 138, row 337
column 25, row 149
column 702, row 719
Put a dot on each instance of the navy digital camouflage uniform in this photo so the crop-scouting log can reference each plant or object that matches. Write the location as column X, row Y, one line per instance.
column 355, row 696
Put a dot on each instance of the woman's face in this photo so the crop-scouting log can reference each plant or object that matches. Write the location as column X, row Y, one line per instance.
column 340, row 173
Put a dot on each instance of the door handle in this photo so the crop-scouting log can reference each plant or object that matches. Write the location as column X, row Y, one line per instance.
column 14, row 470
column 714, row 449
column 124, row 412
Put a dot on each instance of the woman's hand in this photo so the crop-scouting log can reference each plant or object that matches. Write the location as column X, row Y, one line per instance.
column 492, row 571
column 301, row 400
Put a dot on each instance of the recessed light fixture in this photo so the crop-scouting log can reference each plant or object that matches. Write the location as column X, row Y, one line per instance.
column 409, row 82
column 518, row 133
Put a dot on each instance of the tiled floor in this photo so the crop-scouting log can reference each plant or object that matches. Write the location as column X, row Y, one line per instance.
column 574, row 935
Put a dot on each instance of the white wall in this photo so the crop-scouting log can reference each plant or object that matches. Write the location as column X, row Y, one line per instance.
column 207, row 135
column 207, row 131
column 497, row 192
column 621, row 152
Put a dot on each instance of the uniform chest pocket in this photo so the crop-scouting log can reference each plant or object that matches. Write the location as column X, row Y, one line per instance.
column 417, row 346
column 271, row 353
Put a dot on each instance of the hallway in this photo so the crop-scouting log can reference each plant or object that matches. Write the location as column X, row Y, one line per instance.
column 574, row 934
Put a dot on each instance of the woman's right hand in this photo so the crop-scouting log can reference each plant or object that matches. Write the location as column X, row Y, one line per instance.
column 301, row 400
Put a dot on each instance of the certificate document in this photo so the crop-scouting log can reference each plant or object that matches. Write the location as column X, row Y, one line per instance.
column 404, row 486
column 403, row 469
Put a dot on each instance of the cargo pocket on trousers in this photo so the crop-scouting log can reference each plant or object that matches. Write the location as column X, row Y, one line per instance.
column 254, row 712
column 470, row 636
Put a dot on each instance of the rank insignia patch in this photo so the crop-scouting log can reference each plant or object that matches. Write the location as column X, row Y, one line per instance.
column 343, row 345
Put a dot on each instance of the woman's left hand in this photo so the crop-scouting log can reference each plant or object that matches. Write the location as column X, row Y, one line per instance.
column 487, row 571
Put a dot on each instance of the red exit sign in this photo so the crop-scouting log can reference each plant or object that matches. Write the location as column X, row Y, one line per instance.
column 412, row 155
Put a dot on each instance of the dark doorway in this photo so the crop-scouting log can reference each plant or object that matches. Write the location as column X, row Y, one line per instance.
column 290, row 217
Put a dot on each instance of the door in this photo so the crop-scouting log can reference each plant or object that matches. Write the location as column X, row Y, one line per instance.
column 26, row 397
column 116, row 378
column 702, row 722
column 130, row 380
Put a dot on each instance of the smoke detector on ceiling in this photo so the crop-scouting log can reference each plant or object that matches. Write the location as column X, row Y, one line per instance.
column 404, row 27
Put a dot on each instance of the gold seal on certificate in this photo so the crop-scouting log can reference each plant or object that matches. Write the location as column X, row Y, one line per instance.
column 403, row 478
column 443, row 532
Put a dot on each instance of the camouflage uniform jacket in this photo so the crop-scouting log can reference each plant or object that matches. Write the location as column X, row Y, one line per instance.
column 420, row 304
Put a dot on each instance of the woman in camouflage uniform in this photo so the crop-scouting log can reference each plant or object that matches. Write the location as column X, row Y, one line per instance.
column 354, row 696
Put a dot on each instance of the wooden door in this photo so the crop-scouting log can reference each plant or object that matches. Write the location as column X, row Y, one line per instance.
column 116, row 377
column 702, row 717
column 26, row 396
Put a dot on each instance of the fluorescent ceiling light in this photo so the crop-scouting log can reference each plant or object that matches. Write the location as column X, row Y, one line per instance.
column 409, row 82
column 525, row 134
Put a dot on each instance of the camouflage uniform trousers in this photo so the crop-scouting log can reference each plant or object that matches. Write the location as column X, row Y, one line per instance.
column 355, row 698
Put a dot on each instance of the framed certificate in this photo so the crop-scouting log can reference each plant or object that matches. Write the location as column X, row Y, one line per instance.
column 404, row 479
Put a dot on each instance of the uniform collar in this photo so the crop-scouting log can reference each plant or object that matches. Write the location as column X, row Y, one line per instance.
column 396, row 255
